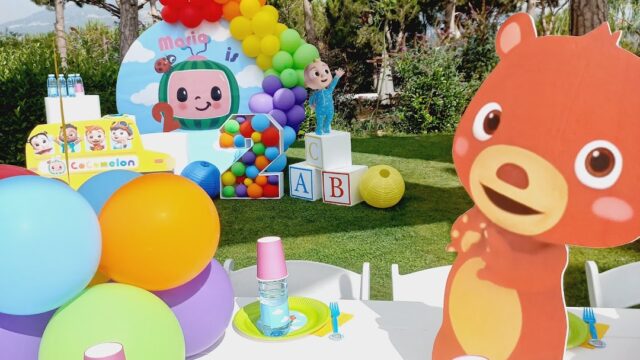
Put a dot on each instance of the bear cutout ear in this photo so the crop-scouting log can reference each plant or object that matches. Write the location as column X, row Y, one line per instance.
column 516, row 30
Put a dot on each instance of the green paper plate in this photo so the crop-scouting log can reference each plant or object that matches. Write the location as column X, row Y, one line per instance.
column 578, row 331
column 316, row 312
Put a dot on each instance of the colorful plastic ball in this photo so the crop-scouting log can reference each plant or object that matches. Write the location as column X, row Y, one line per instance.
column 289, row 78
column 263, row 24
column 300, row 94
column 261, row 103
column 260, row 122
column 279, row 164
column 245, row 129
column 282, row 60
column 226, row 140
column 271, row 84
column 248, row 158
column 296, row 115
column 247, row 182
column 203, row 306
column 158, row 231
column 271, row 191
column 205, row 175
column 238, row 169
column 229, row 191
column 284, row 99
column 382, row 186
column 7, row 171
column 231, row 10
column 271, row 11
column 252, row 172
column 264, row 61
column 47, row 258
column 228, row 178
column 271, row 137
column 232, row 126
column 249, row 8
column 272, row 153
column 241, row 179
column 262, row 180
column 273, row 179
column 305, row 55
column 251, row 46
column 290, row 41
column 241, row 190
column 279, row 116
column 254, row 191
column 259, row 149
column 262, row 162
column 20, row 335
column 99, row 188
column 289, row 136
column 140, row 321
column 240, row 119
column 239, row 141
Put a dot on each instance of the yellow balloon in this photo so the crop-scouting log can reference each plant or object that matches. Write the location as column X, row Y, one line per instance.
column 249, row 8
column 263, row 24
column 280, row 28
column 240, row 27
column 270, row 45
column 251, row 46
column 271, row 10
column 264, row 61
column 98, row 278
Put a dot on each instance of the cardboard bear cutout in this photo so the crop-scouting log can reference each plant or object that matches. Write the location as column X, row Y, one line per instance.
column 547, row 151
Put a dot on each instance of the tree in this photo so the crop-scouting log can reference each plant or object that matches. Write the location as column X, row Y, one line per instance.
column 61, row 39
column 309, row 29
column 128, row 25
column 586, row 15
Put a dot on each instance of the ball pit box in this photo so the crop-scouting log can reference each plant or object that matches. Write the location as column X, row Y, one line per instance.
column 341, row 186
column 305, row 182
column 328, row 152
column 78, row 108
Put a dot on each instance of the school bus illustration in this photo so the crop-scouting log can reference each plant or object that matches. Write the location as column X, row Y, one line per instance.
column 93, row 146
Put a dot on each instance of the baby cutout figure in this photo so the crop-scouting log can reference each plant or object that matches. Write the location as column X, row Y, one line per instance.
column 317, row 76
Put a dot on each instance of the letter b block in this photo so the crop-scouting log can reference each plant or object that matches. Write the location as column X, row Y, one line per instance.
column 304, row 182
column 341, row 186
column 328, row 152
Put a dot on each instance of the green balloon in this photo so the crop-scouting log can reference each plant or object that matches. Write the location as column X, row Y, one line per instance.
column 232, row 127
column 259, row 149
column 300, row 74
column 238, row 169
column 271, row 72
column 282, row 60
column 144, row 325
column 290, row 40
column 305, row 55
column 229, row 191
column 289, row 78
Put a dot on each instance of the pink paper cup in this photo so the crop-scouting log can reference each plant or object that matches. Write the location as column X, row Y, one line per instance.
column 271, row 265
column 105, row 351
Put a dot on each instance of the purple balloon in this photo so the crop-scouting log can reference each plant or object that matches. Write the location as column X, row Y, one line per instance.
column 272, row 179
column 279, row 116
column 284, row 99
column 295, row 116
column 261, row 103
column 203, row 307
column 271, row 84
column 249, row 158
column 241, row 190
column 20, row 335
column 301, row 94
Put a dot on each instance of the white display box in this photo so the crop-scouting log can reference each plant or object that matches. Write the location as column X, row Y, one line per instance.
column 341, row 186
column 305, row 182
column 328, row 152
column 83, row 107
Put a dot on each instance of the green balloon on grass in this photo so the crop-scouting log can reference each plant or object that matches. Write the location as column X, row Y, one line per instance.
column 229, row 191
column 259, row 149
column 140, row 321
column 289, row 78
column 290, row 40
column 282, row 60
column 305, row 55
column 232, row 127
column 270, row 72
column 238, row 169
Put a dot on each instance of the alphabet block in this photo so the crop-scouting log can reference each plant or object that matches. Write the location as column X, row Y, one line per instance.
column 330, row 151
column 340, row 186
column 305, row 182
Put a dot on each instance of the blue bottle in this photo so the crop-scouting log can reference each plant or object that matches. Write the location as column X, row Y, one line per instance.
column 52, row 86
column 71, row 83
column 63, row 85
column 274, row 308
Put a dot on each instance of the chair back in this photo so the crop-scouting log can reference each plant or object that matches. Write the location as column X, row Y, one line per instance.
column 425, row 286
column 615, row 288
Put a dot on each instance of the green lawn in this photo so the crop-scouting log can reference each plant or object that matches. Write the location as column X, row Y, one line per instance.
column 413, row 234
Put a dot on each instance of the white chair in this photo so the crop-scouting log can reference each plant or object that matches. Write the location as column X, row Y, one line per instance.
column 615, row 288
column 307, row 278
column 425, row 286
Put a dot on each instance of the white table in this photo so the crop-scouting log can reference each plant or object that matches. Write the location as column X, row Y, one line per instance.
column 405, row 330
column 77, row 108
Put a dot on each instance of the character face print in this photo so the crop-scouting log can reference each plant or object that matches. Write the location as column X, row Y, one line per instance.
column 56, row 167
column 96, row 137
column 41, row 143
column 199, row 94
column 318, row 76
column 119, row 136
column 163, row 65
column 72, row 135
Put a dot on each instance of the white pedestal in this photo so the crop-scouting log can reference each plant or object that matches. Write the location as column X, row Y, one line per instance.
column 305, row 182
column 341, row 186
column 172, row 143
column 327, row 152
column 85, row 107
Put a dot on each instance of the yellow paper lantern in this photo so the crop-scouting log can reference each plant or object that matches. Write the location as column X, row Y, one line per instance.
column 240, row 28
column 270, row 45
column 382, row 186
column 251, row 46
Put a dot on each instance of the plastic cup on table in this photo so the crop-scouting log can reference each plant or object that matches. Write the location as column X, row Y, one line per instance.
column 105, row 351
column 271, row 264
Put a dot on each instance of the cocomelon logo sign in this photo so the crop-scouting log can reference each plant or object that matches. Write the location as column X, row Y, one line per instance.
column 57, row 166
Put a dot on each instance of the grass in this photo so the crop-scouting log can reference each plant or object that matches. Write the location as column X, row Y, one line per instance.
column 413, row 234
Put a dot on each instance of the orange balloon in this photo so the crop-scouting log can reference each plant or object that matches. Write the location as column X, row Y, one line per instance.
column 261, row 180
column 231, row 10
column 262, row 162
column 159, row 231
column 221, row 2
column 254, row 191
column 226, row 140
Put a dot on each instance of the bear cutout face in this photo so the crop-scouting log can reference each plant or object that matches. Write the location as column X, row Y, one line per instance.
column 548, row 146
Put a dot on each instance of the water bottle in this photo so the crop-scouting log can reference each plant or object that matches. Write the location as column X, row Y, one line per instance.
column 71, row 84
column 63, row 85
column 79, row 85
column 274, row 308
column 52, row 86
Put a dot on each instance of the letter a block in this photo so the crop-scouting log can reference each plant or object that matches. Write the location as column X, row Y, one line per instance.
column 330, row 151
column 305, row 182
column 341, row 186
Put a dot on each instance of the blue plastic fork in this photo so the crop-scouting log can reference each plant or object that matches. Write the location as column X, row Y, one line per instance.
column 335, row 313
column 590, row 318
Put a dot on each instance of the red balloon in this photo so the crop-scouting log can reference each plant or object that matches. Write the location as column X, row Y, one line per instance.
column 169, row 14
column 245, row 129
column 271, row 191
column 200, row 3
column 7, row 171
column 190, row 17
column 213, row 12
column 270, row 137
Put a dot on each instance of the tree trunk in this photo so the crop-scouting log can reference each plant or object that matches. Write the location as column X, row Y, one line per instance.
column 128, row 25
column 531, row 7
column 61, row 40
column 309, row 28
column 153, row 11
column 451, row 29
column 586, row 15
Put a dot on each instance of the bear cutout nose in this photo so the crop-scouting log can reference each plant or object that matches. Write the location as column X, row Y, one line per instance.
column 513, row 175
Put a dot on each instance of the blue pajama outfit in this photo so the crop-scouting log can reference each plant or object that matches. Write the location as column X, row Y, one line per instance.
column 323, row 100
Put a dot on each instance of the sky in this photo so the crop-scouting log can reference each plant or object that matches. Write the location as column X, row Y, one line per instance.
column 16, row 9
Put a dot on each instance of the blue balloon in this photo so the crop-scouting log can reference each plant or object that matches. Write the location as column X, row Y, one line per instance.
column 289, row 136
column 239, row 141
column 271, row 153
column 252, row 172
column 206, row 175
column 278, row 164
column 260, row 122
column 99, row 188
column 49, row 244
